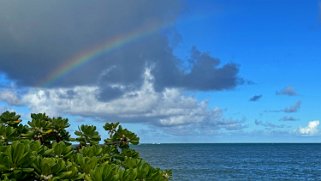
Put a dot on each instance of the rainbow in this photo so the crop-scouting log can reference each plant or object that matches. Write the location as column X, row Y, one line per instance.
column 92, row 54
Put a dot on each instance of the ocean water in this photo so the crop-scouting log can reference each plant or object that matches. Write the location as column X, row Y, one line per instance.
column 236, row 161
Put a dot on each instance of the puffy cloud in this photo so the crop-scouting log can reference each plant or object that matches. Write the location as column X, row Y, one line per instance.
column 289, row 91
column 255, row 98
column 311, row 129
column 294, row 108
column 38, row 37
column 169, row 109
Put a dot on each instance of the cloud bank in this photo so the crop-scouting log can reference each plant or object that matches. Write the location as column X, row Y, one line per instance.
column 53, row 52
column 170, row 109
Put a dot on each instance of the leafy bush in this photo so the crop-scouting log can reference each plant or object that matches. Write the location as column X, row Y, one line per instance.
column 43, row 150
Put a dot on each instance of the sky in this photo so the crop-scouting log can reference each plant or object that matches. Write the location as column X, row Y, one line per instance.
column 209, row 71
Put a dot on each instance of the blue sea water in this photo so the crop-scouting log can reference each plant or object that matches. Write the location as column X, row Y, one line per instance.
column 236, row 161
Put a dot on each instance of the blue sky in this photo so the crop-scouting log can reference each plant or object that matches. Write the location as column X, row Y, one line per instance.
column 223, row 71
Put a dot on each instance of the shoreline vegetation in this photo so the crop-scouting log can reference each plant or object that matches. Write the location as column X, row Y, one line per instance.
column 43, row 150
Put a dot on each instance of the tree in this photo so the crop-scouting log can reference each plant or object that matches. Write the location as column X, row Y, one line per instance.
column 43, row 150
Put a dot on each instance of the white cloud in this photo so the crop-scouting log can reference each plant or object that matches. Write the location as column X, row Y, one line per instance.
column 170, row 108
column 311, row 129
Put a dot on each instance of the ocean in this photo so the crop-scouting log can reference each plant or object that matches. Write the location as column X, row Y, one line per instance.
column 236, row 161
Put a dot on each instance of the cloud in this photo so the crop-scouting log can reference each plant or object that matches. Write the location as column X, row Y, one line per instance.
column 288, row 91
column 255, row 98
column 208, row 127
column 310, row 129
column 267, row 124
column 9, row 96
column 170, row 109
column 291, row 109
column 38, row 37
column 206, row 74
column 288, row 118
column 294, row 108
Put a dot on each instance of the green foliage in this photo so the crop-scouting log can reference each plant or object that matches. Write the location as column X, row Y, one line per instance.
column 42, row 150
column 7, row 134
column 10, row 119
column 47, row 130
column 119, row 136
column 87, row 135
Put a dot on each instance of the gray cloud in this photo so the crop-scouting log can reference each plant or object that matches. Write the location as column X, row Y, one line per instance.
column 255, row 98
column 294, row 108
column 206, row 74
column 37, row 37
column 289, row 91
